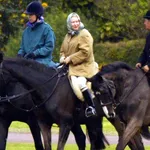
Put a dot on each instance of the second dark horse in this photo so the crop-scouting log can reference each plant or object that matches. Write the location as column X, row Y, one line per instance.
column 131, row 99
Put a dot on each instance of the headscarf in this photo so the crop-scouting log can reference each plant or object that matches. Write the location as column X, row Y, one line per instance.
column 69, row 27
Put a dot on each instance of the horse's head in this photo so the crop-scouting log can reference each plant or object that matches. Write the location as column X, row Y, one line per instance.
column 104, row 91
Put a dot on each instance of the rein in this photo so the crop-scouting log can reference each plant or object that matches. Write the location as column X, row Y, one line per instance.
column 9, row 98
column 129, row 91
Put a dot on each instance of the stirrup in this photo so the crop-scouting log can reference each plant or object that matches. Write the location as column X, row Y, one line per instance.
column 90, row 111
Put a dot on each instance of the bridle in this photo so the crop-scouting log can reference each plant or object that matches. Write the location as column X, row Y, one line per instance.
column 59, row 73
column 108, row 107
column 110, row 95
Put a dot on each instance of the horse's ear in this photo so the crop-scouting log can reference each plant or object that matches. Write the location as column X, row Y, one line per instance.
column 100, row 78
column 96, row 77
column 1, row 56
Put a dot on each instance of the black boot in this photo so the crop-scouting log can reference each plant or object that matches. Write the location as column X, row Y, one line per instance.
column 90, row 110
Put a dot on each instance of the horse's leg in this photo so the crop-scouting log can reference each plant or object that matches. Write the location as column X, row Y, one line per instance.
column 35, row 130
column 4, row 125
column 133, row 126
column 130, row 131
column 79, row 136
column 96, row 135
column 64, row 130
column 46, row 133
column 138, row 141
column 134, row 143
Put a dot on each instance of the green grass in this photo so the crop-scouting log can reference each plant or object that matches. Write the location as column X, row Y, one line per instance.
column 23, row 127
column 22, row 146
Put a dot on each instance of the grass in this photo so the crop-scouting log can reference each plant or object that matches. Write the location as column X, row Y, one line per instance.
column 22, row 127
column 26, row 146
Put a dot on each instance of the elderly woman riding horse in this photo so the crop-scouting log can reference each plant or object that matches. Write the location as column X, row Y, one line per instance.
column 47, row 117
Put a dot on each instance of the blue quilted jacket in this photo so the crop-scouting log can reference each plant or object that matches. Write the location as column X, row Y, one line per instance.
column 40, row 40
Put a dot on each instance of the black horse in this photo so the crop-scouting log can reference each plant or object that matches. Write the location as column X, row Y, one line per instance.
column 49, row 119
column 17, row 107
column 52, row 93
column 8, row 114
column 131, row 98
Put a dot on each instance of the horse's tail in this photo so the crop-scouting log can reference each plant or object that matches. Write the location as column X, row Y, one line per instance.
column 1, row 56
column 145, row 132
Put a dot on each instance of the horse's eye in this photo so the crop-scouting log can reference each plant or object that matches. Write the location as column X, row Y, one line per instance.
column 101, row 89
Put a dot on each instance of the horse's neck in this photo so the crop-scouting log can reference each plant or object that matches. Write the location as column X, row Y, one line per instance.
column 122, row 86
column 39, row 81
column 127, row 84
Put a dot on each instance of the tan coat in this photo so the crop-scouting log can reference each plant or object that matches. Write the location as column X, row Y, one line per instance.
column 80, row 50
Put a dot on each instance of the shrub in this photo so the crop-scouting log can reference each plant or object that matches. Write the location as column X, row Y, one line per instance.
column 127, row 51
column 13, row 44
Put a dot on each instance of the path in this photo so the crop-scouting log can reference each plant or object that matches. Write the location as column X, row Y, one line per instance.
column 27, row 137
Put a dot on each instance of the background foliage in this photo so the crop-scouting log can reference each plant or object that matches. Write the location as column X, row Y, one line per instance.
column 116, row 25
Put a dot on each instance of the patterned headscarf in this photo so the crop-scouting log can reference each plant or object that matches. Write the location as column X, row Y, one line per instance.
column 69, row 27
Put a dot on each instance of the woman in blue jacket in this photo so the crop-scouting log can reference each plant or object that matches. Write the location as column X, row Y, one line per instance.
column 38, row 39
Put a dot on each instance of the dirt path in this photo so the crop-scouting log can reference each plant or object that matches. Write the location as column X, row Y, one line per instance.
column 27, row 137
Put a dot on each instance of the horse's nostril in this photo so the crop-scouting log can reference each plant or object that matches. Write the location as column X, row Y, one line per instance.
column 112, row 115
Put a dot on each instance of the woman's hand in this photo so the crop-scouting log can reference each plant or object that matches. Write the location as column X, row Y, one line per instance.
column 29, row 56
column 138, row 65
column 67, row 60
column 61, row 60
column 146, row 68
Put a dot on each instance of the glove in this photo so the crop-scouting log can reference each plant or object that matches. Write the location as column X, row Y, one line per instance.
column 146, row 68
column 138, row 65
column 19, row 55
column 29, row 56
column 62, row 58
column 67, row 60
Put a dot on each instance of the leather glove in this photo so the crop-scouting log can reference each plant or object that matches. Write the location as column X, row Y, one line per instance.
column 29, row 55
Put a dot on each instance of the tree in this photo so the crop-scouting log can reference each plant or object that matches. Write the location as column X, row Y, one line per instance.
column 114, row 20
column 10, row 17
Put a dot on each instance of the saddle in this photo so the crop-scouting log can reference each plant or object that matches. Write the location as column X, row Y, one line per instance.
column 74, row 84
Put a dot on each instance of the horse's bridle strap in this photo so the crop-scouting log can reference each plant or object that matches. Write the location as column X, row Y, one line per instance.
column 9, row 98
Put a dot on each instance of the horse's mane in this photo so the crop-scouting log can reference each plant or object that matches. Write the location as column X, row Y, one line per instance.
column 32, row 64
column 115, row 66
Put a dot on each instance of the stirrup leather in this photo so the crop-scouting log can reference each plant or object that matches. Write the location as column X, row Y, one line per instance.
column 90, row 111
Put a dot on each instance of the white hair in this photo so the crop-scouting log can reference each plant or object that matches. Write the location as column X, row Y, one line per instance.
column 69, row 26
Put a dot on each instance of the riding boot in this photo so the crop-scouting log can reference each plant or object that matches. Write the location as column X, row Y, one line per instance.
column 90, row 110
